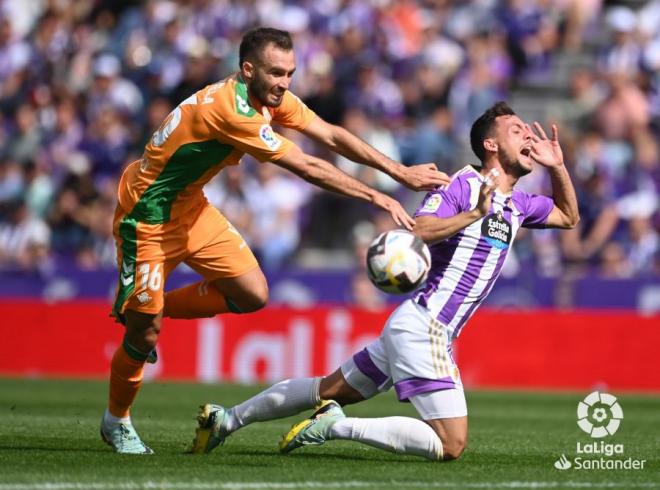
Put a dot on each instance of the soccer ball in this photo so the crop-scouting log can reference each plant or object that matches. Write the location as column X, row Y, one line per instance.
column 398, row 261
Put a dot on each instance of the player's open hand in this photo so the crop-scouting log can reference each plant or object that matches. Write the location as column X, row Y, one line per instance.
column 545, row 151
column 423, row 177
column 486, row 190
column 395, row 209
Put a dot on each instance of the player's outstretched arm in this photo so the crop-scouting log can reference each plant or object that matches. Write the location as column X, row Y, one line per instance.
column 547, row 152
column 325, row 175
column 425, row 176
column 433, row 229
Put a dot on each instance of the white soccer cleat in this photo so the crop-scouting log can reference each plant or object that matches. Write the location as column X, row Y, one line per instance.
column 315, row 430
column 211, row 432
column 124, row 439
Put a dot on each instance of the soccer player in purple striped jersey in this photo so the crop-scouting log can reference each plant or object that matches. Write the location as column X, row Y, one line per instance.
column 469, row 226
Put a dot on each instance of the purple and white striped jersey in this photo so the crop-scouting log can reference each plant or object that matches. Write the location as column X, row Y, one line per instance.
column 464, row 267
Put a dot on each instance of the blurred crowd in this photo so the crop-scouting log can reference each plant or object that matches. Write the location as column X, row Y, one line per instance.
column 83, row 84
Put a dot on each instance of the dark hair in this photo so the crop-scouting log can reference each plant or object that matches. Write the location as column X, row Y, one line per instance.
column 255, row 40
column 482, row 127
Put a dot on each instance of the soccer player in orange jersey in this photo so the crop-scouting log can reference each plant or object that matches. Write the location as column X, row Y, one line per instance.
column 163, row 218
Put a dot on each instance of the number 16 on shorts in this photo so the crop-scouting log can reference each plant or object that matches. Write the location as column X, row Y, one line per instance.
column 148, row 282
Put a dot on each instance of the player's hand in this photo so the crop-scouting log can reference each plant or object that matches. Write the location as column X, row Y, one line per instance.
column 486, row 190
column 423, row 177
column 395, row 209
column 546, row 152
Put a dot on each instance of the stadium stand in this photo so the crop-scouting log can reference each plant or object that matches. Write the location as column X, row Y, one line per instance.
column 84, row 84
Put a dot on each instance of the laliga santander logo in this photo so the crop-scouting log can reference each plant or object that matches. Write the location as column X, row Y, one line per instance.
column 599, row 415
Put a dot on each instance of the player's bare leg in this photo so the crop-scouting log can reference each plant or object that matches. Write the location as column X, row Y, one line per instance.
column 126, row 376
column 242, row 294
column 335, row 387
column 453, row 434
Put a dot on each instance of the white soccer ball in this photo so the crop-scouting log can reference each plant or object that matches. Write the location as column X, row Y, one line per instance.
column 398, row 262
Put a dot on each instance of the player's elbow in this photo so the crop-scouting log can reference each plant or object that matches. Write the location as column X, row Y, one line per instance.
column 423, row 234
column 570, row 221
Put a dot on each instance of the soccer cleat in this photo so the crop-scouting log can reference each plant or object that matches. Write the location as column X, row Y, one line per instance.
column 210, row 433
column 314, row 430
column 124, row 439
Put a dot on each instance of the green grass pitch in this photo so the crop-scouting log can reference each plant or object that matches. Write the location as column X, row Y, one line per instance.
column 49, row 440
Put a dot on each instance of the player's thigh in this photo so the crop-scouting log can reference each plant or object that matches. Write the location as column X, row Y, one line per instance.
column 419, row 350
column 368, row 371
column 146, row 254
column 219, row 253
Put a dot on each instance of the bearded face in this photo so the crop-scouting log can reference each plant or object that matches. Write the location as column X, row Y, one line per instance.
column 514, row 139
column 269, row 77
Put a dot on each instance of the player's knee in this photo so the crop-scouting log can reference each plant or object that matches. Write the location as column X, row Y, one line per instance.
column 142, row 330
column 151, row 339
column 254, row 300
column 453, row 448
column 335, row 387
column 144, row 340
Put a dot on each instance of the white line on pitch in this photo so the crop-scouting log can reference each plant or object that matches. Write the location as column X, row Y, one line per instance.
column 165, row 485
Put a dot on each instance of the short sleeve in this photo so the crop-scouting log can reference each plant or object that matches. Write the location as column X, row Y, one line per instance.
column 444, row 202
column 253, row 135
column 293, row 113
column 537, row 209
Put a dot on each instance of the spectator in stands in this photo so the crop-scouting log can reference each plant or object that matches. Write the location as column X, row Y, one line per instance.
column 625, row 111
column 24, row 239
column 624, row 54
column 531, row 36
column 112, row 91
column 107, row 142
column 12, row 181
column 26, row 139
column 642, row 247
column 274, row 200
column 229, row 191
column 15, row 56
column 358, row 122
column 613, row 262
column 66, row 136
column 586, row 95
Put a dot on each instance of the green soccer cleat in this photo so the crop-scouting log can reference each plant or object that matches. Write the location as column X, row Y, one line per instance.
column 124, row 439
column 314, row 430
column 210, row 433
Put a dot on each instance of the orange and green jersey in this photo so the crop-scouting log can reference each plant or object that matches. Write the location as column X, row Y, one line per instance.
column 209, row 130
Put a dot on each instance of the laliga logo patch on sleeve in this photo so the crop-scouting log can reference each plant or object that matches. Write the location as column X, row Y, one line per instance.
column 269, row 137
column 433, row 203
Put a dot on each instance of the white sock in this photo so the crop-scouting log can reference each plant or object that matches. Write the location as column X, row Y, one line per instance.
column 286, row 398
column 110, row 420
column 403, row 435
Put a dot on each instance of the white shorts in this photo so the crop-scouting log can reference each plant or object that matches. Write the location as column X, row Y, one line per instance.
column 413, row 354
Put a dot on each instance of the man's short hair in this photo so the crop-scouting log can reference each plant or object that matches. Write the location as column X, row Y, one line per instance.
column 255, row 41
column 483, row 127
